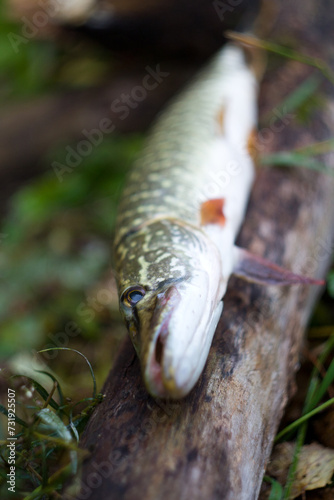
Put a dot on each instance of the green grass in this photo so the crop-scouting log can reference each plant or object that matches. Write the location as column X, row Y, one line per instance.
column 299, row 158
column 297, row 430
column 285, row 52
column 49, row 428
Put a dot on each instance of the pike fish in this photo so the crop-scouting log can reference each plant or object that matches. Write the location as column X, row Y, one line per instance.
column 178, row 219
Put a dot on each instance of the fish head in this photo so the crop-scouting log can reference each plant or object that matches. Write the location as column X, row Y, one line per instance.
column 170, row 298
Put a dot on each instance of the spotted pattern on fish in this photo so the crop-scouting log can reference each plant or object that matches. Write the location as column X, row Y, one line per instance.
column 151, row 246
column 168, row 178
column 172, row 259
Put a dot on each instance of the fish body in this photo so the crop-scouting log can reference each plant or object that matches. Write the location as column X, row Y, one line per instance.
column 179, row 215
column 178, row 263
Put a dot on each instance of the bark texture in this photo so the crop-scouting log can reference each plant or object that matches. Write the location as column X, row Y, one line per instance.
column 215, row 443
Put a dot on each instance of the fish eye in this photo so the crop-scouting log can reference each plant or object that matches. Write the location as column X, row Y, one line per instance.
column 132, row 295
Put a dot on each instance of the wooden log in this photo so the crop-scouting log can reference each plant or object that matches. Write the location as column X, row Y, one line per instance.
column 215, row 443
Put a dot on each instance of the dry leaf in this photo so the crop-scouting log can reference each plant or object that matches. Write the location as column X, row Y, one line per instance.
column 315, row 467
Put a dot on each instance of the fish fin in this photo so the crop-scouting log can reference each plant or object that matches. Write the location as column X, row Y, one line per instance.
column 220, row 120
column 259, row 270
column 212, row 212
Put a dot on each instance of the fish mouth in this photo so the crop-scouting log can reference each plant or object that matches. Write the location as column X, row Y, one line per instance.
column 172, row 375
column 154, row 373
column 154, row 378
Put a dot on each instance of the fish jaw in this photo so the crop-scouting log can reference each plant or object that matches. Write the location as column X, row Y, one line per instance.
column 172, row 326
column 184, row 323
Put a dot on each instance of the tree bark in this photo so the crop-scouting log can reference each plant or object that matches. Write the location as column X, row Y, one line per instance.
column 215, row 443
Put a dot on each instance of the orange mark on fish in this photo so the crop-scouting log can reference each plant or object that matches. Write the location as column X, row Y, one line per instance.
column 220, row 120
column 252, row 144
column 212, row 212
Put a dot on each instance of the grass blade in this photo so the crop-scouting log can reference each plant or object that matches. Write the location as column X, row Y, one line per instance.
column 55, row 481
column 276, row 491
column 49, row 418
column 317, row 148
column 253, row 41
column 296, row 98
column 17, row 419
column 44, row 464
column 53, row 378
column 301, row 94
column 306, row 414
column 41, row 391
column 293, row 467
column 303, row 419
column 326, row 382
column 78, row 352
column 295, row 159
